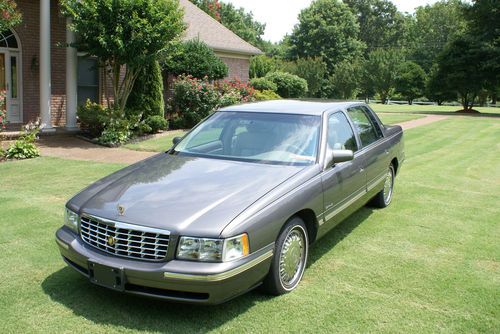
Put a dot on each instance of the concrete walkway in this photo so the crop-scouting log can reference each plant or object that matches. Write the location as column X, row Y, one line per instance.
column 70, row 147
column 428, row 119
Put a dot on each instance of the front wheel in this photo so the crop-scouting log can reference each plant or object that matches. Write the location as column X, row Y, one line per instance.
column 290, row 258
column 384, row 197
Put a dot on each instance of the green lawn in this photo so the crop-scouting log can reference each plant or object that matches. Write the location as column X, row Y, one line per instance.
column 157, row 144
column 429, row 263
column 432, row 109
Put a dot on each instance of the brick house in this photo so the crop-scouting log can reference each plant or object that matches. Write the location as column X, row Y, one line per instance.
column 44, row 79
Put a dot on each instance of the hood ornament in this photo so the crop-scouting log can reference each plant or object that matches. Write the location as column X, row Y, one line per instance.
column 121, row 210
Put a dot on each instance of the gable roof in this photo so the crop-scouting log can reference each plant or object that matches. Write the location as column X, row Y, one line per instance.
column 214, row 34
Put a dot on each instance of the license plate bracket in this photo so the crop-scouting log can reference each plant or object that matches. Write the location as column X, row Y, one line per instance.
column 106, row 276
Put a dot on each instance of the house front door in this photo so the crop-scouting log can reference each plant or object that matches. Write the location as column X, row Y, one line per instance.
column 9, row 82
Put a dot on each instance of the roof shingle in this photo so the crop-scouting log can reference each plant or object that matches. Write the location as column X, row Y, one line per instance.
column 214, row 34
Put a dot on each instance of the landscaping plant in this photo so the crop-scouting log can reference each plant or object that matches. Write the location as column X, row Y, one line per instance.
column 263, row 84
column 24, row 147
column 289, row 85
column 9, row 15
column 124, row 35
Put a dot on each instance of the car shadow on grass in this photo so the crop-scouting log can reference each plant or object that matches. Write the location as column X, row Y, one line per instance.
column 106, row 307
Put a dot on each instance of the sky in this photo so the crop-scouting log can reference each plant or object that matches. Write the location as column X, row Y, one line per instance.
column 280, row 16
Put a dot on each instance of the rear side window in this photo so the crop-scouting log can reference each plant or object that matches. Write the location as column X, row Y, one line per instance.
column 366, row 127
column 340, row 134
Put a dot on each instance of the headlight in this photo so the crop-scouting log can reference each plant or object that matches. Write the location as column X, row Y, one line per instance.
column 212, row 250
column 71, row 219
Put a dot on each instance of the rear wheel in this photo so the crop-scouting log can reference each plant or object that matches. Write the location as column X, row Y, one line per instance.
column 384, row 197
column 290, row 258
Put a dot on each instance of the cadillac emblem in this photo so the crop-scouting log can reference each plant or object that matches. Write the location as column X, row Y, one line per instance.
column 121, row 210
column 111, row 241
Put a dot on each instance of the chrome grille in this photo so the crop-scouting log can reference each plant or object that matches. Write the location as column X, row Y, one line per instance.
column 123, row 239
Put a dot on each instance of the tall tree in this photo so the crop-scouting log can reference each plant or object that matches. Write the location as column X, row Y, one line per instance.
column 313, row 70
column 381, row 25
column 326, row 29
column 436, row 89
column 380, row 72
column 125, row 35
column 463, row 69
column 436, row 25
column 410, row 81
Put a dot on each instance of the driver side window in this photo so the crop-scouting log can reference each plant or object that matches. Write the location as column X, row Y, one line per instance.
column 340, row 134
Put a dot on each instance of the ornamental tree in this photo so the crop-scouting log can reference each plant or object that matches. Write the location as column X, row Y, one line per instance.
column 380, row 73
column 124, row 35
column 410, row 82
column 9, row 15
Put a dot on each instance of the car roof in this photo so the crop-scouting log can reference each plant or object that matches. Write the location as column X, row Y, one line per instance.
column 291, row 107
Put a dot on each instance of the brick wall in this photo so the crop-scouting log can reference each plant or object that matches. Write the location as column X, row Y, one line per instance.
column 238, row 68
column 29, row 33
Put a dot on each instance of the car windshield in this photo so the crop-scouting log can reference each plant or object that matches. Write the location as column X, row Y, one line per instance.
column 257, row 137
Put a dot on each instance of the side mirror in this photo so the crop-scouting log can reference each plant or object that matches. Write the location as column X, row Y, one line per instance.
column 175, row 140
column 335, row 156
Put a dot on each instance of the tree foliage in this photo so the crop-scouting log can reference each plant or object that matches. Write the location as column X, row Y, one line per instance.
column 147, row 95
column 313, row 70
column 326, row 29
column 462, row 67
column 196, row 58
column 344, row 82
column 124, row 35
column 261, row 65
column 381, row 25
column 380, row 73
column 410, row 81
column 436, row 89
column 435, row 25
column 9, row 15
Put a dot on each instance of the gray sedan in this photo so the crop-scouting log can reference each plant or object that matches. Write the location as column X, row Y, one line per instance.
column 234, row 204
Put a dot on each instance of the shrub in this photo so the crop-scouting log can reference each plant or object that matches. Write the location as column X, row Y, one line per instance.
column 266, row 95
column 143, row 129
column 193, row 99
column 92, row 117
column 196, row 58
column 262, row 65
column 113, row 137
column 156, row 123
column 146, row 98
column 289, row 85
column 263, row 84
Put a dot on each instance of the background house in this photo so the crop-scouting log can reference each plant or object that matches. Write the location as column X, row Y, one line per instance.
column 47, row 80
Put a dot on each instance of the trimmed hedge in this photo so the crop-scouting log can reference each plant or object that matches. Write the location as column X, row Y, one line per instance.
column 289, row 85
column 263, row 84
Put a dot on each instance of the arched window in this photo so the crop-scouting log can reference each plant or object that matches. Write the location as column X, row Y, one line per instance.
column 8, row 40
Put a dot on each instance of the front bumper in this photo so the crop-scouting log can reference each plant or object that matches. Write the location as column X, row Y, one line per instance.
column 183, row 281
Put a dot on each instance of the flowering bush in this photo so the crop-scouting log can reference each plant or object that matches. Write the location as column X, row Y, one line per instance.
column 194, row 99
column 9, row 14
column 3, row 110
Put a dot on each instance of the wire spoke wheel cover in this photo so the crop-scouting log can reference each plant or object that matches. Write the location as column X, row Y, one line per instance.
column 292, row 258
column 389, row 185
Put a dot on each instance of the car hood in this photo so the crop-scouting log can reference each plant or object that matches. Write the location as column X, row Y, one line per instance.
column 185, row 195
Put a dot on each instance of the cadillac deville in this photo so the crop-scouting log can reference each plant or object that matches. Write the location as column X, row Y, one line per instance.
column 234, row 204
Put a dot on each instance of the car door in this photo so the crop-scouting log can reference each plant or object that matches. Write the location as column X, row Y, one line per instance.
column 373, row 153
column 344, row 183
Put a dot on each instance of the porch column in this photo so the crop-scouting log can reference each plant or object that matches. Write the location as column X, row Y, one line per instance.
column 71, row 79
column 45, row 89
